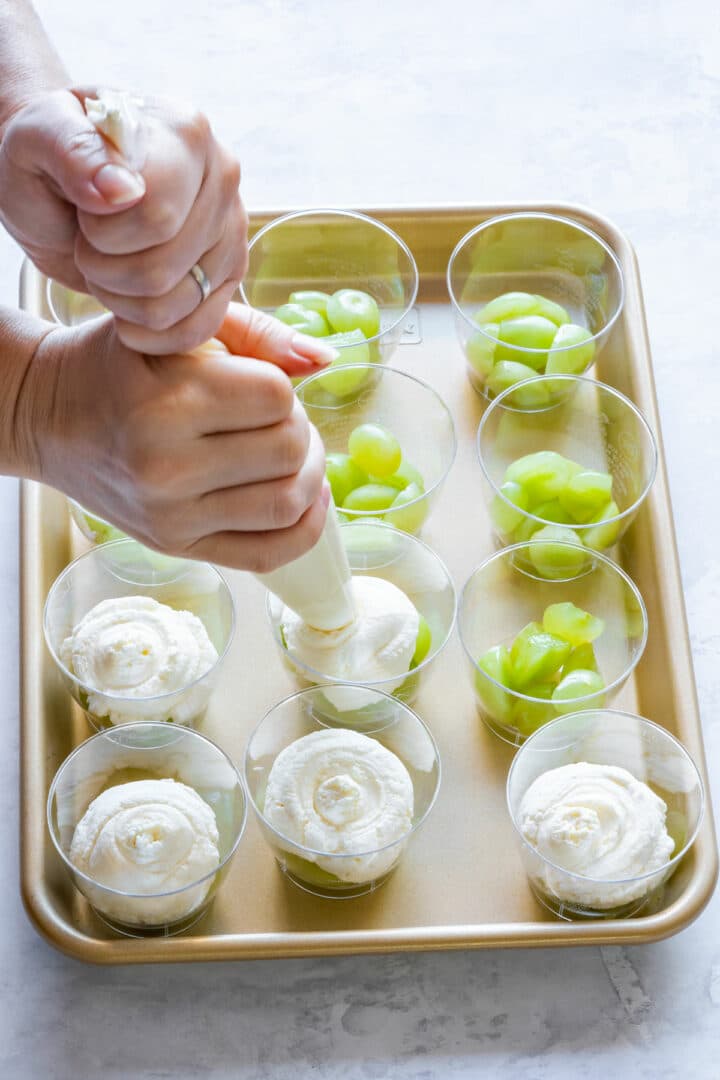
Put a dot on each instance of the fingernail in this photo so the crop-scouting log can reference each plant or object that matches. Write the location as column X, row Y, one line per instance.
column 313, row 349
column 118, row 185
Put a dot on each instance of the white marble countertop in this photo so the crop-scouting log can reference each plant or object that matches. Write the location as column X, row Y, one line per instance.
column 412, row 101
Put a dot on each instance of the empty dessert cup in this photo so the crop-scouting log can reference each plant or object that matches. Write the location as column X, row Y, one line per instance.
column 408, row 408
column 379, row 550
column 652, row 755
column 328, row 250
column 121, row 568
column 147, row 751
column 595, row 426
column 546, row 256
column 500, row 598
column 327, row 873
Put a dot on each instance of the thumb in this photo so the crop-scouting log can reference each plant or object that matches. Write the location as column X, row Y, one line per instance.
column 58, row 140
column 249, row 332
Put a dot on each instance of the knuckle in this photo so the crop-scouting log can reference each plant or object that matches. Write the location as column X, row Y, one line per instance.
column 154, row 278
column 287, row 505
column 159, row 220
column 276, row 393
column 196, row 129
column 293, row 445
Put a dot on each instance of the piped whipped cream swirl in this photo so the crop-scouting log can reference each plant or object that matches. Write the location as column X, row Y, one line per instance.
column 147, row 837
column 598, row 821
column 134, row 648
column 378, row 645
column 341, row 792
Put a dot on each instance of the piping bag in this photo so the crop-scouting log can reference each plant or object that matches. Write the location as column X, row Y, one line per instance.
column 317, row 586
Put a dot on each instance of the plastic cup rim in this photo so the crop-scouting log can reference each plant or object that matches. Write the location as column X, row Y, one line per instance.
column 160, row 725
column 602, row 332
column 357, row 216
column 381, row 694
column 635, row 877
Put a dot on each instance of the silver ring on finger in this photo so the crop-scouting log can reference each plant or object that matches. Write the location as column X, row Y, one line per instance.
column 203, row 282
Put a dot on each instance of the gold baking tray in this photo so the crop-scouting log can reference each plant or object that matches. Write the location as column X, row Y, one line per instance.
column 461, row 884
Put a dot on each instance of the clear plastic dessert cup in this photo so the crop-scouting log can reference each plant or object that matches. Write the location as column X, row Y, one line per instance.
column 594, row 426
column 414, row 414
column 500, row 598
column 147, row 751
column 379, row 550
column 328, row 250
column 328, row 873
column 95, row 529
column 652, row 755
column 536, row 255
column 69, row 307
column 121, row 568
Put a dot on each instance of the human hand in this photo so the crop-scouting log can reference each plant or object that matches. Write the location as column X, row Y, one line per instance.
column 86, row 219
column 206, row 456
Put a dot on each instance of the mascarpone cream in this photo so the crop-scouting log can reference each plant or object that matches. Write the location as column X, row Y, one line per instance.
column 598, row 821
column 144, row 838
column 343, row 793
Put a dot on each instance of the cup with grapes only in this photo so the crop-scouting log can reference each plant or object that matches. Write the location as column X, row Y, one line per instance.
column 132, row 886
column 129, row 648
column 335, row 760
column 578, row 470
column 377, row 550
column 389, row 445
column 337, row 275
column 540, row 647
column 531, row 294
column 603, row 814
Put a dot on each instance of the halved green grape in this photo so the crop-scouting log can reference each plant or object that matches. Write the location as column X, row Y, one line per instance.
column 408, row 518
column 507, row 518
column 511, row 305
column 555, row 312
column 344, row 475
column 102, row 531
column 527, row 332
column 370, row 497
column 551, row 558
column 604, row 533
column 303, row 319
column 528, row 716
column 581, row 657
column 535, row 656
column 423, row 642
column 352, row 309
column 526, row 530
column 480, row 349
column 543, row 474
column 404, row 475
column 578, row 684
column 312, row 299
column 553, row 511
column 375, row 449
column 495, row 663
column 571, row 623
column 353, row 350
column 585, row 494
column 507, row 373
column 570, row 361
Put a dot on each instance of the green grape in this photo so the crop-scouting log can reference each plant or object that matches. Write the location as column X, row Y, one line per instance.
column 311, row 299
column 309, row 872
column 571, row 361
column 370, row 497
column 535, row 656
column 677, row 827
column 555, row 312
column 528, row 716
column 553, row 511
column 375, row 449
column 480, row 350
column 423, row 642
column 351, row 309
column 551, row 558
column 578, row 684
column 508, row 373
column 527, row 332
column 343, row 476
column 571, row 623
column 604, row 533
column 102, row 531
column 585, row 494
column 543, row 475
column 526, row 530
column 507, row 518
column 408, row 518
column 406, row 474
column 510, row 305
column 496, row 702
column 303, row 319
column 581, row 657
column 353, row 350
